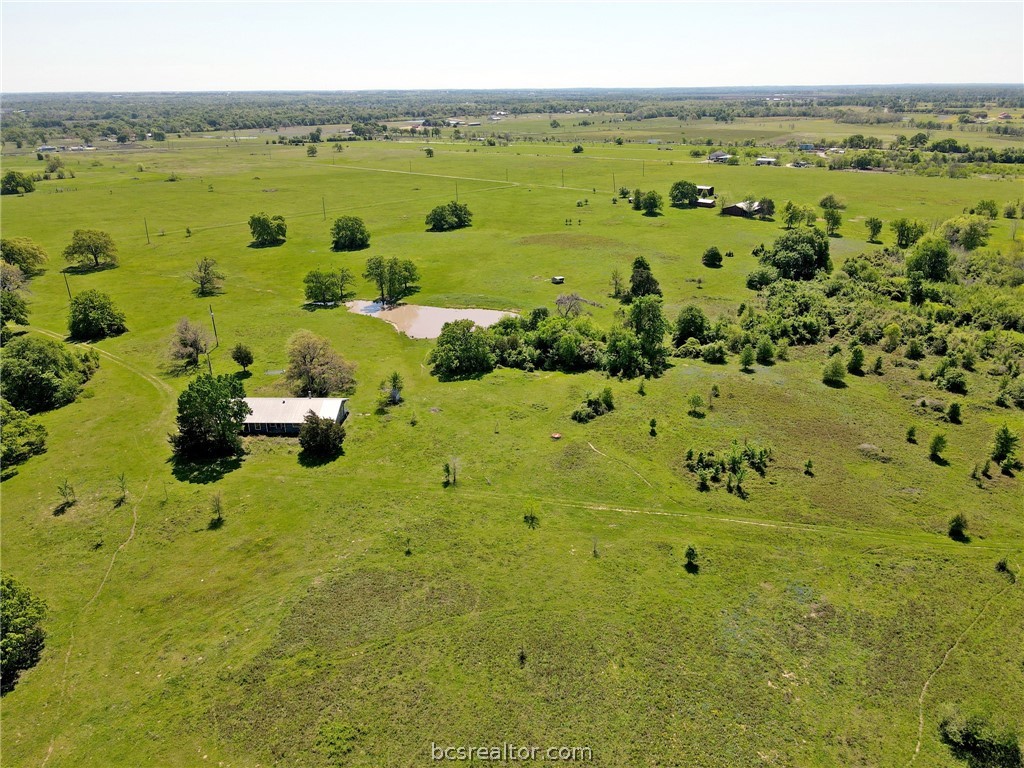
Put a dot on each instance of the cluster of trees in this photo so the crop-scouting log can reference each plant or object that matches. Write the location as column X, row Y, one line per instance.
column 395, row 278
column 453, row 215
column 16, row 183
column 21, row 437
column 349, row 233
column 267, row 230
column 20, row 261
column 649, row 202
column 41, row 374
column 710, row 469
column 93, row 315
column 325, row 286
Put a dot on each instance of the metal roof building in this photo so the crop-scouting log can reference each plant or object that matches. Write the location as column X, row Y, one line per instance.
column 284, row 415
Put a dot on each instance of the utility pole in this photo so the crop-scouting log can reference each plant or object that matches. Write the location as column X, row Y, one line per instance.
column 146, row 225
column 643, row 167
column 614, row 188
column 456, row 191
column 323, row 203
column 563, row 177
column 208, row 363
column 214, row 321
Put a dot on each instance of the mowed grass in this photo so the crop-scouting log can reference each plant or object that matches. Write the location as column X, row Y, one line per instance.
column 301, row 633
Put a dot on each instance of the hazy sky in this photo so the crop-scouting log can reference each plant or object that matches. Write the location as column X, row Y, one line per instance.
column 136, row 46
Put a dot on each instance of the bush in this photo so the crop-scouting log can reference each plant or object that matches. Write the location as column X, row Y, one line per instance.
column 321, row 438
column 856, row 362
column 712, row 257
column 15, row 183
column 834, row 372
column 188, row 344
column 450, row 216
column 1005, row 446
column 799, row 254
column 953, row 413
column 691, row 323
column 94, row 316
column 937, row 446
column 761, row 278
column 315, row 368
column 462, row 351
column 765, row 351
column 242, row 356
column 267, row 230
column 958, row 527
column 714, row 353
column 594, row 406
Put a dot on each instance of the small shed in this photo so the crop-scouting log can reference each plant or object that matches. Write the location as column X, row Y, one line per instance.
column 284, row 415
column 766, row 161
column 704, row 190
column 719, row 156
column 706, row 202
column 558, row 279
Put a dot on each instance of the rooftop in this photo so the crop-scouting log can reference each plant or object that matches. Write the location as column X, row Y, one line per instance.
column 292, row 410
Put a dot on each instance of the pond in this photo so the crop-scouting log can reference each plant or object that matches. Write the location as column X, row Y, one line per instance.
column 420, row 322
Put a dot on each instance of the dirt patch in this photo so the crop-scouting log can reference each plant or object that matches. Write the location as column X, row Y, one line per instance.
column 874, row 452
column 418, row 322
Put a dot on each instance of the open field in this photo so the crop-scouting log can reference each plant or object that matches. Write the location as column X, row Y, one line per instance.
column 301, row 633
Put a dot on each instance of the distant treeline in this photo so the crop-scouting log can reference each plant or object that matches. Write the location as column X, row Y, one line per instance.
column 35, row 118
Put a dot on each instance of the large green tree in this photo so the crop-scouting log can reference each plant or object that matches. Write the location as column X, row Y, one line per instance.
column 349, row 233
column 641, row 279
column 799, row 254
column 683, row 193
column 450, row 216
column 267, row 230
column 16, row 183
column 23, row 253
column 395, row 278
column 91, row 248
column 93, row 316
column 930, row 257
column 21, row 436
column 315, row 368
column 40, row 374
column 462, row 351
column 691, row 323
column 647, row 321
column 21, row 632
column 211, row 412
column 907, row 232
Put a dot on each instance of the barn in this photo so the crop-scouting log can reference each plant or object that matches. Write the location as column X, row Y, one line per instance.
column 284, row 415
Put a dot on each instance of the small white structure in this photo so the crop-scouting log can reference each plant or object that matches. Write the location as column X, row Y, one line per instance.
column 558, row 279
column 284, row 415
column 766, row 161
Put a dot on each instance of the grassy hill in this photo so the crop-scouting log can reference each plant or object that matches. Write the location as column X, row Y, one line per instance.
column 357, row 612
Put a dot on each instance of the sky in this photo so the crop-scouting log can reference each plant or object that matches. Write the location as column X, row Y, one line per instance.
column 247, row 46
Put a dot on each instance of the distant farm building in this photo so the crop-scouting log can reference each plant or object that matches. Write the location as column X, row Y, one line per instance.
column 284, row 415
column 705, row 196
column 766, row 161
column 806, row 147
column 742, row 208
column 1005, row 116
column 719, row 156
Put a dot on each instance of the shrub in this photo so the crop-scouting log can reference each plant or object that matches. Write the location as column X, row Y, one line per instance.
column 953, row 414
column 349, row 233
column 94, row 316
column 321, row 438
column 761, row 278
column 834, row 371
column 1005, row 445
column 242, row 356
column 21, row 632
column 21, row 437
column 445, row 218
column 41, row 374
column 765, row 351
column 747, row 357
column 714, row 353
column 937, row 446
column 712, row 257
column 958, row 527
column 856, row 362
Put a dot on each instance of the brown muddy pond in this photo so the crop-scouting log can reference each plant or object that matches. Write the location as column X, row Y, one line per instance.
column 419, row 322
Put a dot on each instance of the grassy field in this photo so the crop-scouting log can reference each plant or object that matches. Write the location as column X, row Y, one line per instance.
column 832, row 621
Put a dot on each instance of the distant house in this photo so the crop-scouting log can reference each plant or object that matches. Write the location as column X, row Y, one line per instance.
column 766, row 161
column 743, row 208
column 705, row 191
column 719, row 156
column 284, row 415
column 806, row 147
column 1005, row 116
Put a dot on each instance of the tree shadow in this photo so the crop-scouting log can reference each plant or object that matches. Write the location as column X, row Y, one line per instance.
column 86, row 269
column 274, row 244
column 692, row 568
column 203, row 472
column 216, row 523
column 350, row 250
column 696, row 414
column 313, row 306
column 307, row 459
column 653, row 214
column 747, row 371
column 960, row 536
column 242, row 375
column 838, row 384
column 63, row 507
column 936, row 459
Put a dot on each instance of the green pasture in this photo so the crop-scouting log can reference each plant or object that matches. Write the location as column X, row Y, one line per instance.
column 302, row 634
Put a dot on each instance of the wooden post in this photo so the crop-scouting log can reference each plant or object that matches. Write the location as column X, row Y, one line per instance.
column 214, row 321
column 67, row 285
column 146, row 225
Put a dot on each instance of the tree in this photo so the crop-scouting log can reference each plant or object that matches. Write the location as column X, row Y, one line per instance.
column 696, row 403
column 462, row 351
column 874, row 225
column 242, row 356
column 792, row 214
column 94, row 316
column 267, row 230
column 41, row 374
column 931, row 258
column 958, row 526
column 445, row 218
column 429, row 151
column 206, row 276
column 834, row 371
column 13, row 309
column 211, row 413
column 648, row 322
column 16, row 183
column 937, row 446
column 349, row 233
column 799, row 254
column 21, row 633
column 967, row 232
column 392, row 387
column 577, row 149
column 23, row 253
column 691, row 323
column 831, row 202
column 651, row 203
column 907, row 232
column 311, row 150
column 321, row 438
column 326, row 287
column 712, row 257
column 394, row 278
column 315, row 368
column 765, row 351
column 953, row 413
column 1005, row 446
column 91, row 247
column 188, row 344
column 641, row 280
column 683, row 193
column 747, row 357
column 832, row 221
column 21, row 436
column 691, row 559
column 855, row 365
column 766, row 208
column 616, row 282
column 623, row 356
